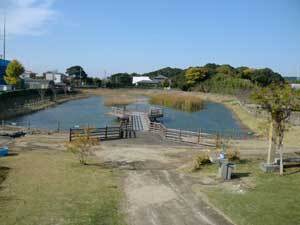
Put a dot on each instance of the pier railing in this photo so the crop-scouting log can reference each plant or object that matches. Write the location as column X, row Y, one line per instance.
column 184, row 136
column 105, row 133
column 156, row 113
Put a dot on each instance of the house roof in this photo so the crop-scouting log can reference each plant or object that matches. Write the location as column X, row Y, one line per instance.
column 140, row 78
column 148, row 82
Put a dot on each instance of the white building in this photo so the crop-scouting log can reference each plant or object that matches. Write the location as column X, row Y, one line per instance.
column 55, row 76
column 28, row 74
column 296, row 86
column 5, row 87
column 135, row 80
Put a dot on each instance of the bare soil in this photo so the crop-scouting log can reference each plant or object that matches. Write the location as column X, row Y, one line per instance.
column 156, row 191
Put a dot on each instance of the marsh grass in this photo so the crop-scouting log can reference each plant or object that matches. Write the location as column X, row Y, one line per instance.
column 182, row 101
column 121, row 100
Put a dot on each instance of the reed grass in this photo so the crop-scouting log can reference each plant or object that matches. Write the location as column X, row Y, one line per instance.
column 182, row 101
column 121, row 100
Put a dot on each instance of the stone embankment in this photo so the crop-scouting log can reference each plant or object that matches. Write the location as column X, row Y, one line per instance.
column 13, row 106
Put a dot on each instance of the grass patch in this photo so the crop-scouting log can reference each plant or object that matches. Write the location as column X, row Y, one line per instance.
column 182, row 101
column 273, row 200
column 52, row 188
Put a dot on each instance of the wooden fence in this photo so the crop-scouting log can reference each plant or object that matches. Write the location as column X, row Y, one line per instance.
column 106, row 133
column 190, row 137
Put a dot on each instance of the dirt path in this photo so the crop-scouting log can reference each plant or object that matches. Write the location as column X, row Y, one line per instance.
column 156, row 192
column 165, row 197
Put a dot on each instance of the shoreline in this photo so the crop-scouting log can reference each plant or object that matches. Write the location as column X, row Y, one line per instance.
column 48, row 104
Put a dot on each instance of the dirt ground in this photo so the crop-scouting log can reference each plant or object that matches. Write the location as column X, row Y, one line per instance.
column 157, row 188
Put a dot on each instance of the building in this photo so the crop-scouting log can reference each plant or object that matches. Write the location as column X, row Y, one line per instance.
column 55, row 76
column 38, row 83
column 3, row 66
column 28, row 74
column 5, row 87
column 136, row 79
column 296, row 86
column 148, row 83
column 160, row 78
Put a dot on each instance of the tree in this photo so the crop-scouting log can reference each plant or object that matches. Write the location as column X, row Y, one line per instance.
column 226, row 70
column 265, row 77
column 278, row 101
column 196, row 74
column 82, row 145
column 167, row 72
column 13, row 72
column 166, row 83
column 120, row 80
column 97, row 82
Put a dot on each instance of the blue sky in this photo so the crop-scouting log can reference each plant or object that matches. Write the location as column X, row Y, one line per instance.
column 144, row 35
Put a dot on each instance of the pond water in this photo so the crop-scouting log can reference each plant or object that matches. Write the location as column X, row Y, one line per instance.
column 91, row 111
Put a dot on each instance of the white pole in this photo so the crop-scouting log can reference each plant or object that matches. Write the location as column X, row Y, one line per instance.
column 4, row 37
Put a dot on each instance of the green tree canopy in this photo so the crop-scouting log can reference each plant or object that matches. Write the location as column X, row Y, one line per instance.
column 265, row 77
column 196, row 74
column 226, row 70
column 13, row 72
column 120, row 80
column 167, row 72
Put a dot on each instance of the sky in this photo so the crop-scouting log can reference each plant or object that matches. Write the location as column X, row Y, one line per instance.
column 110, row 36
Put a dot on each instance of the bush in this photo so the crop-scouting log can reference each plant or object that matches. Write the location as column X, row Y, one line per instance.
column 233, row 155
column 201, row 160
column 82, row 146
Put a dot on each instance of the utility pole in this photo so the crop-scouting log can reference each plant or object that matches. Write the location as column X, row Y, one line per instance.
column 4, row 37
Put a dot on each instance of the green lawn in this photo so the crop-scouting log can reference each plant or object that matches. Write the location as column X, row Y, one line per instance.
column 273, row 200
column 50, row 187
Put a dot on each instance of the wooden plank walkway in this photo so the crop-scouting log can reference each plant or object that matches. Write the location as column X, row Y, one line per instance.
column 140, row 121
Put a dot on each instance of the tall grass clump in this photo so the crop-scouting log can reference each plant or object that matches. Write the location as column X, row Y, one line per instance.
column 181, row 101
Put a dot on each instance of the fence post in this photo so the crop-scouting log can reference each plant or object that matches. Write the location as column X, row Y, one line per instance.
column 106, row 132
column 58, row 126
column 70, row 136
column 199, row 132
column 28, row 124
column 180, row 135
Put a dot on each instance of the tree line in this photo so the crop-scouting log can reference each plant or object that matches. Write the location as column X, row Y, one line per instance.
column 208, row 78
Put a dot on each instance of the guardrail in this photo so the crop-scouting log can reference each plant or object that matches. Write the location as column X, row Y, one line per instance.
column 190, row 137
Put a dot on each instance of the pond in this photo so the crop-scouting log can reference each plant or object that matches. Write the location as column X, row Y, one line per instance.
column 91, row 111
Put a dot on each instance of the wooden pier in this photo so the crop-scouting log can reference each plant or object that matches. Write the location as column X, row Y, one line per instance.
column 140, row 120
